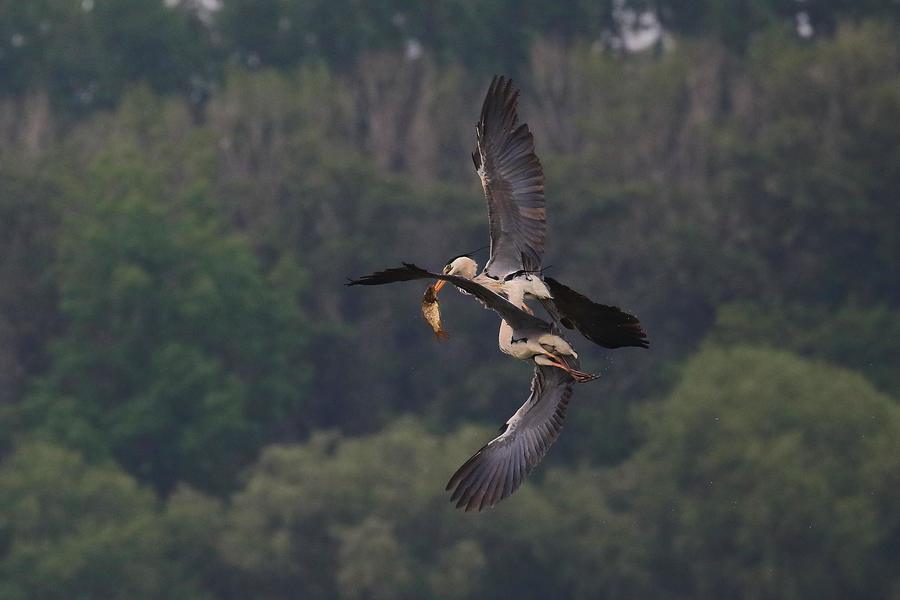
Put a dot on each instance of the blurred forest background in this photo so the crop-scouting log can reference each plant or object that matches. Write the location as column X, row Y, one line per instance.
column 193, row 406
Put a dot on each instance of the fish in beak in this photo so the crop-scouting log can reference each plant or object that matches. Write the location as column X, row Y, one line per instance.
column 431, row 310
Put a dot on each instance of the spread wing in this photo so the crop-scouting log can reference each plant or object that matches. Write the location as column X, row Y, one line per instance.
column 607, row 326
column 515, row 316
column 513, row 182
column 499, row 468
column 407, row 272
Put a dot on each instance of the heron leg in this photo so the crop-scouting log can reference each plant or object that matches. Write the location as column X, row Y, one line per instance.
column 578, row 376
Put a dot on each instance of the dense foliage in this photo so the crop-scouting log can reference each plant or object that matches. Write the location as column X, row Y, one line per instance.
column 193, row 405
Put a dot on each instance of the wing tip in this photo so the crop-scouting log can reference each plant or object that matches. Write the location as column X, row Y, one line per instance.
column 607, row 326
column 501, row 98
column 488, row 478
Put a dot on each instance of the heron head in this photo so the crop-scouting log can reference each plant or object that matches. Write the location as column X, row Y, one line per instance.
column 461, row 266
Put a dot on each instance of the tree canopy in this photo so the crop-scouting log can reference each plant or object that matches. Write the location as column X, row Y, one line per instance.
column 192, row 404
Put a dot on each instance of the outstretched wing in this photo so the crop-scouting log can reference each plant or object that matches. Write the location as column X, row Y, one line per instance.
column 407, row 272
column 607, row 326
column 513, row 182
column 499, row 468
column 515, row 316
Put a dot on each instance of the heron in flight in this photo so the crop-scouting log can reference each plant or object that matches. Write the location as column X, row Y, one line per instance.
column 513, row 182
column 522, row 335
column 499, row 467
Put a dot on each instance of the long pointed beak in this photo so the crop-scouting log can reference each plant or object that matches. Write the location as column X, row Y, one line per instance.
column 437, row 286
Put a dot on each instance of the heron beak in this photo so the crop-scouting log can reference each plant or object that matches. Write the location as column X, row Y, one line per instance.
column 438, row 285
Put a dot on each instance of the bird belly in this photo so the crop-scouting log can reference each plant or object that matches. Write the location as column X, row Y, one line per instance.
column 526, row 286
column 521, row 348
column 556, row 345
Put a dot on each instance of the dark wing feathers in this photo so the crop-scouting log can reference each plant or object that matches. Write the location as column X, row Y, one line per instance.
column 512, row 314
column 498, row 469
column 608, row 326
column 407, row 272
column 513, row 182
column 515, row 316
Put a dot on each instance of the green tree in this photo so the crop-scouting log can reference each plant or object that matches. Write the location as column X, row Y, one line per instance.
column 371, row 562
column 325, row 517
column 736, row 21
column 484, row 36
column 85, row 53
column 29, row 219
column 763, row 476
column 74, row 530
column 193, row 524
column 179, row 356
column 367, row 516
column 866, row 339
column 810, row 186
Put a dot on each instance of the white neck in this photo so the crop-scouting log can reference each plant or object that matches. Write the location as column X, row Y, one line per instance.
column 515, row 293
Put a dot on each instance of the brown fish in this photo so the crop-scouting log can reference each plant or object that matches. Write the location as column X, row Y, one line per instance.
column 431, row 310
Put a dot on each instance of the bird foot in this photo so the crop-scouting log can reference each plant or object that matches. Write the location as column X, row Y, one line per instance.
column 582, row 377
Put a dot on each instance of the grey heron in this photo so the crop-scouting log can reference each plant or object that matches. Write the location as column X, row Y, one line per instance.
column 522, row 335
column 513, row 183
column 499, row 467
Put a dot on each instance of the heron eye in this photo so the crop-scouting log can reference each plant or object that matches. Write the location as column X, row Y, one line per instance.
column 447, row 269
